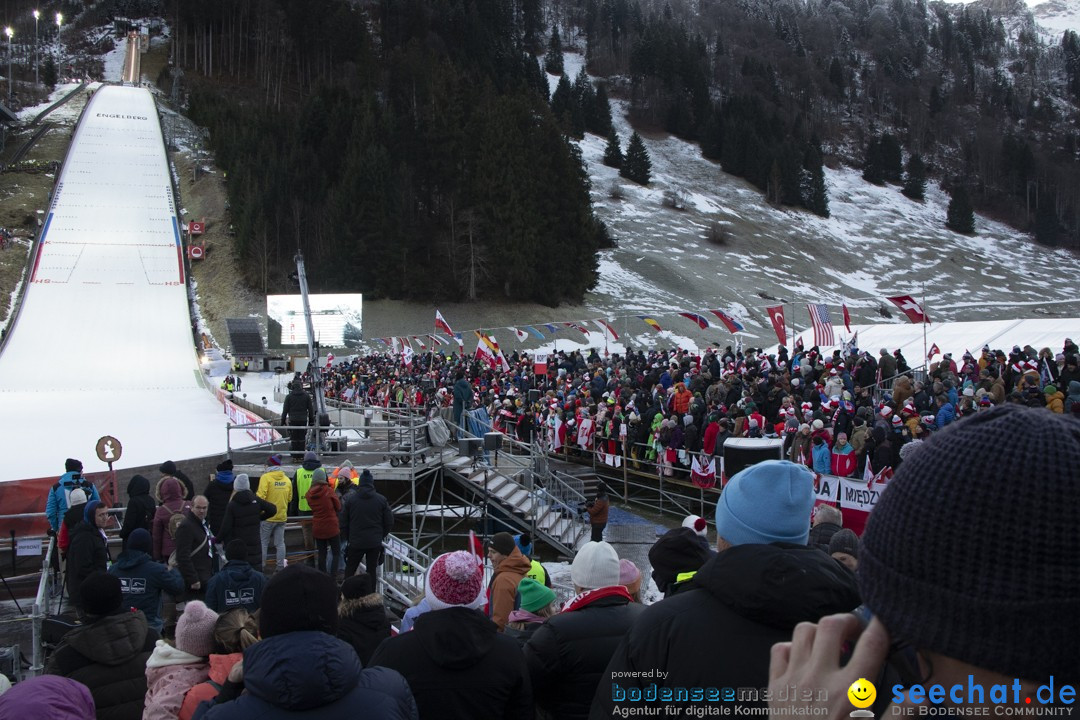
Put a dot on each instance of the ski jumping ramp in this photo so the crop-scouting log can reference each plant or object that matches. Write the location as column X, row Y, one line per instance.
column 103, row 344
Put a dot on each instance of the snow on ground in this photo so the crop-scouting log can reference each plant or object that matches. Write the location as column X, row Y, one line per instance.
column 103, row 343
column 876, row 243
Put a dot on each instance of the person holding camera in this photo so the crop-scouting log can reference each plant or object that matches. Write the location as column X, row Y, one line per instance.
column 597, row 510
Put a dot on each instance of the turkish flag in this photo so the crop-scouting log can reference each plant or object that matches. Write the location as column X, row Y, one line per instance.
column 910, row 307
column 776, row 314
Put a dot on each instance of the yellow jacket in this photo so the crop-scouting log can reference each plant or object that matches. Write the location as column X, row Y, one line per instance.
column 276, row 487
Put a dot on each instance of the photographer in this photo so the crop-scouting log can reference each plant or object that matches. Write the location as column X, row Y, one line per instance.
column 598, row 514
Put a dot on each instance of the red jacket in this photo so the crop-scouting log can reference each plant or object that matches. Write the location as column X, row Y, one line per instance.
column 325, row 505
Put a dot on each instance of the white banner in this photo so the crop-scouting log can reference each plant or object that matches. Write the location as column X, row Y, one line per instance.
column 855, row 495
column 827, row 489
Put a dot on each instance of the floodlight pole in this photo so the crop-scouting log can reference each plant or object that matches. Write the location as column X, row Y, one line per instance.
column 313, row 353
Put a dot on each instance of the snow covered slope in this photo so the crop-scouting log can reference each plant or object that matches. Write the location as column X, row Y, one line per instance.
column 103, row 343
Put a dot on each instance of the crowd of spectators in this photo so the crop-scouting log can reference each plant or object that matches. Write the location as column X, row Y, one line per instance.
column 942, row 602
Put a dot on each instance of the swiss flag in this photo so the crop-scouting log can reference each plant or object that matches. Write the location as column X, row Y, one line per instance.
column 776, row 315
column 911, row 308
column 934, row 350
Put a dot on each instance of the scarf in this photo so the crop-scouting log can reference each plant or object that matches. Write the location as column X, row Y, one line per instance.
column 589, row 596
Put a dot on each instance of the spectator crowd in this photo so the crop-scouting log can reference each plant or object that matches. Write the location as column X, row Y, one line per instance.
column 772, row 595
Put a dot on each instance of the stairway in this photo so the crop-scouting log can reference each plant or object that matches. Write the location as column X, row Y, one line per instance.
column 507, row 488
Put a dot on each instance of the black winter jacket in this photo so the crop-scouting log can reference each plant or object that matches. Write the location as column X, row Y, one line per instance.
column 237, row 585
column 298, row 408
column 363, row 623
column 719, row 633
column 567, row 655
column 459, row 666
column 242, row 517
column 194, row 554
column 217, row 496
column 86, row 553
column 366, row 518
column 109, row 656
column 140, row 507
column 314, row 675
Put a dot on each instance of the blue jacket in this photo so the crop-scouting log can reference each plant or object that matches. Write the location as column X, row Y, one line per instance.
column 236, row 585
column 822, row 459
column 945, row 415
column 142, row 581
column 311, row 674
column 57, row 504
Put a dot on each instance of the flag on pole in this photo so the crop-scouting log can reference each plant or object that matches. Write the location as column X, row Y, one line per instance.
column 911, row 308
column 698, row 320
column 484, row 353
column 776, row 316
column 847, row 317
column 934, row 350
column 730, row 323
column 575, row 326
column 329, row 360
column 406, row 354
column 606, row 327
column 651, row 323
column 822, row 322
column 441, row 324
column 868, row 474
column 703, row 474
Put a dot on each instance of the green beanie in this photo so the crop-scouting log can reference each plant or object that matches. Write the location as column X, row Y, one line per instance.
column 534, row 596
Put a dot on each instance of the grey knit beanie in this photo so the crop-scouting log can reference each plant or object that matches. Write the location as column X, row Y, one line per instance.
column 971, row 550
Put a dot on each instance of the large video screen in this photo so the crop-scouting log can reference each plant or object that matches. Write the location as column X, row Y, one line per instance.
column 337, row 320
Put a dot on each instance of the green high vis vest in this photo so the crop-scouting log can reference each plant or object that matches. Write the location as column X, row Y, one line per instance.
column 303, row 484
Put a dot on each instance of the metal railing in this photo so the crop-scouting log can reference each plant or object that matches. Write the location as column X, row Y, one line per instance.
column 42, row 608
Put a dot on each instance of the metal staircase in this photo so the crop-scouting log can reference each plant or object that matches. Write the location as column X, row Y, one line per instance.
column 535, row 501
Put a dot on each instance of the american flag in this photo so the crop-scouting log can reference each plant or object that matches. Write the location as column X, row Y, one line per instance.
column 823, row 332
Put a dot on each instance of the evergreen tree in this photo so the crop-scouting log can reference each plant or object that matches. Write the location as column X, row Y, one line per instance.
column 613, row 152
column 872, row 163
column 814, row 191
column 603, row 111
column 915, row 180
column 961, row 216
column 562, row 104
column 636, row 164
column 891, row 158
column 836, row 75
column 553, row 61
column 1046, row 221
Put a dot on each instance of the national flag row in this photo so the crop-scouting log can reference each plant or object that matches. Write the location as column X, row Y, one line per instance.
column 820, row 319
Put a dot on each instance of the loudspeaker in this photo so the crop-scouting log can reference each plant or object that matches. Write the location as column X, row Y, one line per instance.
column 467, row 447
column 492, row 440
column 337, row 444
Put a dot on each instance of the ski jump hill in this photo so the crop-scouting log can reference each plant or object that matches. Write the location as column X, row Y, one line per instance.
column 103, row 343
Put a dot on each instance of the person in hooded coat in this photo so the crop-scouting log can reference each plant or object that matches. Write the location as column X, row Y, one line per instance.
column 142, row 580
column 363, row 622
column 107, row 653
column 87, row 552
column 365, row 520
column 234, row 632
column 243, row 516
column 172, row 493
column 299, row 669
column 761, row 584
column 173, row 670
column 140, row 508
column 219, row 490
column 325, row 505
column 455, row 660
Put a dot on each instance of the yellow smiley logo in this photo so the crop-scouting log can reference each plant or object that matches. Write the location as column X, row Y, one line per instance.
column 862, row 693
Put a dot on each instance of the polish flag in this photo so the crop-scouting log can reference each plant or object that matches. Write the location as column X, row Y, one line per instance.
column 441, row 324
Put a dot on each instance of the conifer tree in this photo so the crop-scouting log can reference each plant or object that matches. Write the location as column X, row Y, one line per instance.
column 613, row 152
column 815, row 192
column 636, row 164
column 960, row 216
column 553, row 61
column 915, row 179
column 603, row 110
column 1046, row 221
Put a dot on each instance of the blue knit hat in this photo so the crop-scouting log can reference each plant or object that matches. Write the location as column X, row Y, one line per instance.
column 766, row 503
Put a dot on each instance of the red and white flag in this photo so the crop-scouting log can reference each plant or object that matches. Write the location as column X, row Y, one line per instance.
column 911, row 308
column 522, row 336
column 703, row 474
column 540, row 363
column 776, row 315
column 822, row 322
column 934, row 350
column 441, row 324
column 329, row 360
column 847, row 317
column 605, row 326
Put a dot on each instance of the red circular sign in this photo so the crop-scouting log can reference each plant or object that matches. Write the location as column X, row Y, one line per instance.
column 195, row 252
